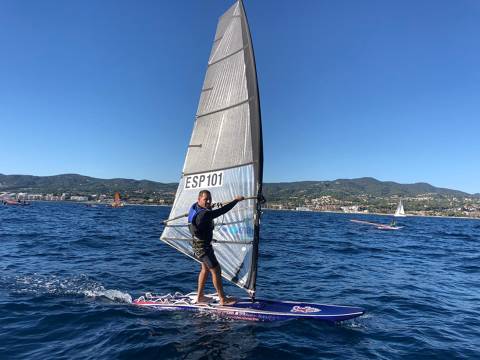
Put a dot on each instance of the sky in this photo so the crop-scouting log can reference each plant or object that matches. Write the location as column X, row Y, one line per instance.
column 348, row 89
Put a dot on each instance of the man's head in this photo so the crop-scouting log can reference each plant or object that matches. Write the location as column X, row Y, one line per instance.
column 205, row 199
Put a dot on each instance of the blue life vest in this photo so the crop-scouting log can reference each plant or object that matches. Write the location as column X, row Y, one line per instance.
column 192, row 214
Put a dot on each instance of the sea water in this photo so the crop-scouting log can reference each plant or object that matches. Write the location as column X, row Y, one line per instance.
column 69, row 273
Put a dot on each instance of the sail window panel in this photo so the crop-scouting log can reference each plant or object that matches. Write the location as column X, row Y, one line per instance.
column 182, row 246
column 224, row 20
column 238, row 224
column 225, row 138
column 177, row 232
column 240, row 231
column 228, row 85
column 235, row 227
column 235, row 261
column 230, row 42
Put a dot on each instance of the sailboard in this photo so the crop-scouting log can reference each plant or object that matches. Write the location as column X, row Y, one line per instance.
column 8, row 201
column 116, row 201
column 400, row 212
column 246, row 309
column 379, row 226
column 225, row 156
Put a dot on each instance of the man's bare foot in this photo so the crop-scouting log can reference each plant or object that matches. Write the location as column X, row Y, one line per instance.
column 226, row 301
column 203, row 300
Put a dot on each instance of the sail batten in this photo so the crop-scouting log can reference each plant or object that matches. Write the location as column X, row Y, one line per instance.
column 226, row 153
column 226, row 56
column 224, row 109
column 214, row 241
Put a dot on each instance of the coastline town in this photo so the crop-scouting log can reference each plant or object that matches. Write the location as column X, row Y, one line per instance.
column 429, row 204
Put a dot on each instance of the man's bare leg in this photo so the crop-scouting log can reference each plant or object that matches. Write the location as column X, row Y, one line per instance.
column 202, row 279
column 217, row 282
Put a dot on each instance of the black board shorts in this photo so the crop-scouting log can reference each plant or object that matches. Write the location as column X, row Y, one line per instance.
column 209, row 259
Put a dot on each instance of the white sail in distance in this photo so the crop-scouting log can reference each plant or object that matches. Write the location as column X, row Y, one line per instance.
column 400, row 211
column 225, row 153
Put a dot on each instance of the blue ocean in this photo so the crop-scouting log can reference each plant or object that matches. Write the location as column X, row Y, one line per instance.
column 69, row 272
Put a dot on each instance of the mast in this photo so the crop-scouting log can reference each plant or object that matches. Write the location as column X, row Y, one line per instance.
column 255, row 112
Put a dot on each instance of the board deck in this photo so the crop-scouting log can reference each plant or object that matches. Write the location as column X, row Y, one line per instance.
column 245, row 309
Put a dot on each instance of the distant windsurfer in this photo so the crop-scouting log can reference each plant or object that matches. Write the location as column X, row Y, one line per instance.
column 200, row 219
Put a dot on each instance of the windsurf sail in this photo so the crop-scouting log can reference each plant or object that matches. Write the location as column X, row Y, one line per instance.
column 400, row 211
column 225, row 153
column 116, row 200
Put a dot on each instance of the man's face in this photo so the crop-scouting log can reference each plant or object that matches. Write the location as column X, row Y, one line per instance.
column 205, row 201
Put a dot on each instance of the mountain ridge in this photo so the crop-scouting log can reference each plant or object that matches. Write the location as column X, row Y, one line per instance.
column 81, row 184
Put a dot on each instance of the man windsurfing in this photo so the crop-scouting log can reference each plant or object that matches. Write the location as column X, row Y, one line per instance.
column 201, row 225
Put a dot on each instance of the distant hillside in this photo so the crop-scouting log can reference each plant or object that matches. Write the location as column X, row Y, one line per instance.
column 342, row 188
column 78, row 184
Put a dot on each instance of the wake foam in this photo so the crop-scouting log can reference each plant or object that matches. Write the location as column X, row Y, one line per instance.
column 76, row 285
column 114, row 295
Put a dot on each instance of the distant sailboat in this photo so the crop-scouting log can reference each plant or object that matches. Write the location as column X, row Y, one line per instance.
column 400, row 212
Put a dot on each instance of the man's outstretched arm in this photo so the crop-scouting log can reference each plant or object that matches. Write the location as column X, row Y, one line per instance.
column 224, row 209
